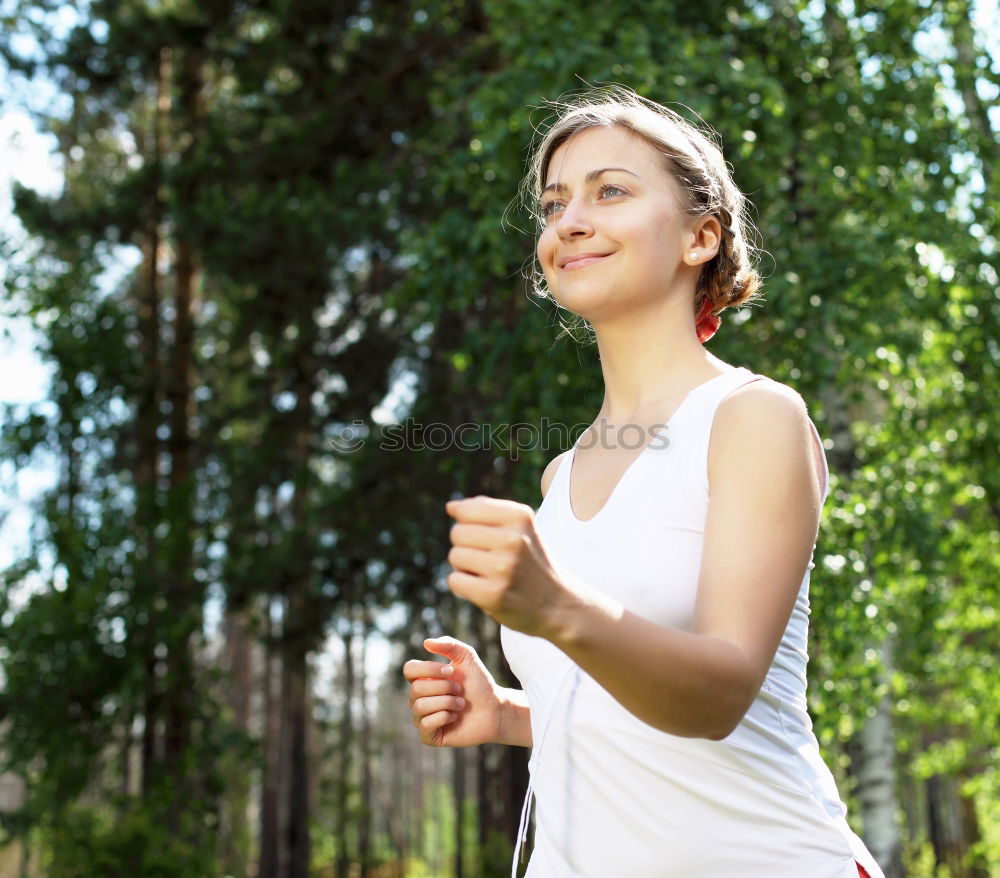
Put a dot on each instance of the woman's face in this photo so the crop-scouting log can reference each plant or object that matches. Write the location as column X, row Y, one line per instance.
column 615, row 235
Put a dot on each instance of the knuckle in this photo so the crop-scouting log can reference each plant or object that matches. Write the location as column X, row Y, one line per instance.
column 512, row 540
column 505, row 565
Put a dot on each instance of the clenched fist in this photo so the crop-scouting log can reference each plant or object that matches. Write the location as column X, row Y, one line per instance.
column 501, row 565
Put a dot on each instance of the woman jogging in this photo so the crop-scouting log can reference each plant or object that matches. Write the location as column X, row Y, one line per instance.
column 655, row 607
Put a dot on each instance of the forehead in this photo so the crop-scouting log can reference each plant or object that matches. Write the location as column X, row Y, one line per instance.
column 605, row 146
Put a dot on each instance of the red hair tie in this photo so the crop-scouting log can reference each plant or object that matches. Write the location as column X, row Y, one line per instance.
column 706, row 323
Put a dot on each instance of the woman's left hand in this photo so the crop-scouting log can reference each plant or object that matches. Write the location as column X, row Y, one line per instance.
column 501, row 566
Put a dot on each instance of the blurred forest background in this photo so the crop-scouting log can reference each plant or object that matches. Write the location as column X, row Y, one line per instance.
column 285, row 225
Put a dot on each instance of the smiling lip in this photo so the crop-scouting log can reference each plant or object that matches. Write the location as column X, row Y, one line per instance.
column 580, row 260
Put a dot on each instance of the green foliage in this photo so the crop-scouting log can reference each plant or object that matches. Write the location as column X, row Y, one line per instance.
column 495, row 856
column 91, row 843
column 345, row 178
column 63, row 671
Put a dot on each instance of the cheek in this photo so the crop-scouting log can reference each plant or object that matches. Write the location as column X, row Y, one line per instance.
column 544, row 245
column 656, row 244
column 545, row 249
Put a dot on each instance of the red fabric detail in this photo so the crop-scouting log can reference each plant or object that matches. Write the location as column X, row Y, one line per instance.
column 706, row 323
column 863, row 872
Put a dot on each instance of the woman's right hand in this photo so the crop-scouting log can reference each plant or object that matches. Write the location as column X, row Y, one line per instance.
column 454, row 704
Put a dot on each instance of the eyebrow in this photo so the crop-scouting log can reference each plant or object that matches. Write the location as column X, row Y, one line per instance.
column 590, row 178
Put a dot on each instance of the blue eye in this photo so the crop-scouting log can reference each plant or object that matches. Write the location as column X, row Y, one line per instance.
column 548, row 208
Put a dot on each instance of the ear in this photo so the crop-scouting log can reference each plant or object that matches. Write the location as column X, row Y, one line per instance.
column 706, row 237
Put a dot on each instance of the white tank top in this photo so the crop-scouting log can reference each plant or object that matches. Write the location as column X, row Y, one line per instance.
column 617, row 797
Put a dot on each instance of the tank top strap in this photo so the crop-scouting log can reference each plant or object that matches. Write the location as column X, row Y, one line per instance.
column 702, row 406
column 700, row 415
column 694, row 431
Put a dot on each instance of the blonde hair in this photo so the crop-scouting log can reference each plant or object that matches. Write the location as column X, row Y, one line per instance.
column 693, row 157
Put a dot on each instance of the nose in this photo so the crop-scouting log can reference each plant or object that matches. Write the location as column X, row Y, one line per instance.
column 574, row 220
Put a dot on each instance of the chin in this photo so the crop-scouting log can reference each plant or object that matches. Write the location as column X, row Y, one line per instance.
column 582, row 306
column 590, row 304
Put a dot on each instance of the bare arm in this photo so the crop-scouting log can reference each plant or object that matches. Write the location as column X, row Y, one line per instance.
column 515, row 726
column 762, row 523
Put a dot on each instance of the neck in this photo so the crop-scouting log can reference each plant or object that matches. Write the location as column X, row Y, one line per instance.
column 649, row 359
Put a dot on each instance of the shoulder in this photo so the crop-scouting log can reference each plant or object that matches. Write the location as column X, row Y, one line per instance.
column 766, row 402
column 550, row 472
column 767, row 423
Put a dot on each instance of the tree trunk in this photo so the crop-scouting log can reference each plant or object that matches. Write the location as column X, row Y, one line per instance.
column 301, row 632
column 944, row 818
column 394, row 795
column 366, row 815
column 184, row 597
column 294, row 810
column 873, row 754
column 235, row 841
column 268, row 862
column 145, row 467
column 873, row 750
column 458, row 796
column 346, row 749
column 415, row 826
column 951, row 823
column 128, row 745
